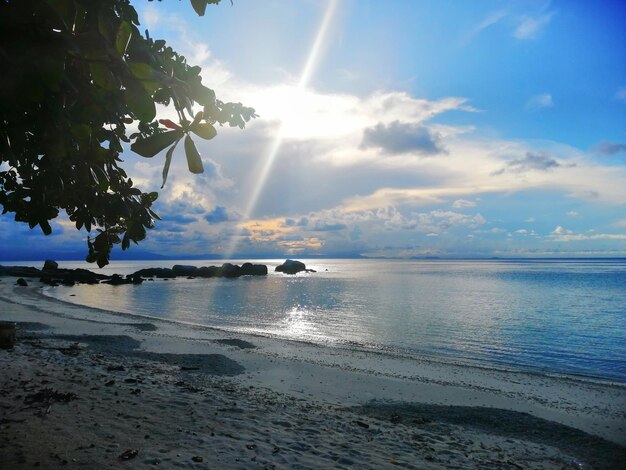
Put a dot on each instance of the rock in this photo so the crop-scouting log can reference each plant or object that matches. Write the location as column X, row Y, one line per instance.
column 7, row 334
column 48, row 281
column 197, row 458
column 128, row 454
column 249, row 269
column 291, row 266
column 134, row 278
column 68, row 281
column 230, row 270
column 21, row 282
column 117, row 280
column 184, row 270
column 207, row 271
column 50, row 265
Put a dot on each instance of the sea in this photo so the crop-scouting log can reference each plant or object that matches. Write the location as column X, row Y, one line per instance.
column 561, row 317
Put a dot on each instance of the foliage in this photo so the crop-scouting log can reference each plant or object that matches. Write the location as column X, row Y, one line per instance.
column 77, row 78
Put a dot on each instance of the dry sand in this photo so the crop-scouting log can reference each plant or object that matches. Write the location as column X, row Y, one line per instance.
column 90, row 389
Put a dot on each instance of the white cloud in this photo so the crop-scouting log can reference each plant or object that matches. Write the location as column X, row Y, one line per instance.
column 530, row 26
column 461, row 203
column 571, row 214
column 541, row 101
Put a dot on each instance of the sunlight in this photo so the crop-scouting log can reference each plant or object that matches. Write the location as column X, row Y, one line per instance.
column 275, row 145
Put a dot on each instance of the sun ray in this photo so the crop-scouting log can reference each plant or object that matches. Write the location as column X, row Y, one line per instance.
column 275, row 145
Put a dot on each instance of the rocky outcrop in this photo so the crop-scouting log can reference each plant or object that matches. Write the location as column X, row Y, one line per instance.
column 53, row 276
column 249, row 269
column 50, row 265
column 291, row 266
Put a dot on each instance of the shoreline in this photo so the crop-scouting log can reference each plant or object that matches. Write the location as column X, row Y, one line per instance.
column 317, row 377
column 348, row 346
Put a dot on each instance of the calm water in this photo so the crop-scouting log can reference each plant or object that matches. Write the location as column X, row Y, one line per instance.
column 551, row 316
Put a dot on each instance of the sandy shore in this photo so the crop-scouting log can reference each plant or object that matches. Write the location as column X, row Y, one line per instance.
column 90, row 389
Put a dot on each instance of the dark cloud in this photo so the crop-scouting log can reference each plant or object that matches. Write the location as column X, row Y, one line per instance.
column 301, row 222
column 399, row 137
column 326, row 227
column 532, row 161
column 610, row 148
column 217, row 215
column 179, row 219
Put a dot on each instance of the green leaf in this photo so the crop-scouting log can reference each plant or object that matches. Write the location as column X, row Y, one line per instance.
column 168, row 161
column 152, row 145
column 140, row 103
column 141, row 71
column 102, row 76
column 194, row 161
column 199, row 6
column 122, row 38
column 204, row 130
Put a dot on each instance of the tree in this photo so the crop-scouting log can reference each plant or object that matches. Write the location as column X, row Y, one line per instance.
column 77, row 76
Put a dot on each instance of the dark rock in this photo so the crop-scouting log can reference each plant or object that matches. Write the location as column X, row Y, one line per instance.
column 207, row 271
column 291, row 266
column 128, row 454
column 117, row 280
column 48, row 281
column 134, row 278
column 21, row 282
column 50, row 265
column 230, row 270
column 19, row 271
column 155, row 272
column 249, row 269
column 68, row 281
column 197, row 458
column 184, row 270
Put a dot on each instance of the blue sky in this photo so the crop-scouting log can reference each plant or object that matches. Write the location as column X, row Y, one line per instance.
column 400, row 128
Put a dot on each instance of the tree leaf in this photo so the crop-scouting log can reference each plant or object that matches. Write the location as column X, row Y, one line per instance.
column 141, row 71
column 140, row 103
column 194, row 161
column 102, row 76
column 152, row 145
column 204, row 130
column 199, row 6
column 168, row 161
column 124, row 33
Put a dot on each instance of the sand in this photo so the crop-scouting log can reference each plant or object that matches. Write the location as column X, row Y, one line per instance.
column 84, row 388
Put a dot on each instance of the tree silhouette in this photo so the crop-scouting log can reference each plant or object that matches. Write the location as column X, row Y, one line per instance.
column 77, row 80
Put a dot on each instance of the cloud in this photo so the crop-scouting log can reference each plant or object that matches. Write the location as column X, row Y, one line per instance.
column 610, row 148
column 400, row 137
column 532, row 161
column 530, row 26
column 541, row 101
column 490, row 20
column 576, row 237
column 461, row 203
column 559, row 230
column 217, row 215
column 329, row 227
column 572, row 214
column 621, row 94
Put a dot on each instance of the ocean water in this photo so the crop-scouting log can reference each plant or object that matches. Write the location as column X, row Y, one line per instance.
column 550, row 316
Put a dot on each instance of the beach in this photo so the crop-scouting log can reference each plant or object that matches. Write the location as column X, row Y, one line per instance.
column 86, row 388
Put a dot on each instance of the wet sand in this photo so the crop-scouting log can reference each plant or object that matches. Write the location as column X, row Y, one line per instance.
column 90, row 389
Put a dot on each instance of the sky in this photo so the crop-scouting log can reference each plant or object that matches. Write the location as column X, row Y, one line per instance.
column 394, row 129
